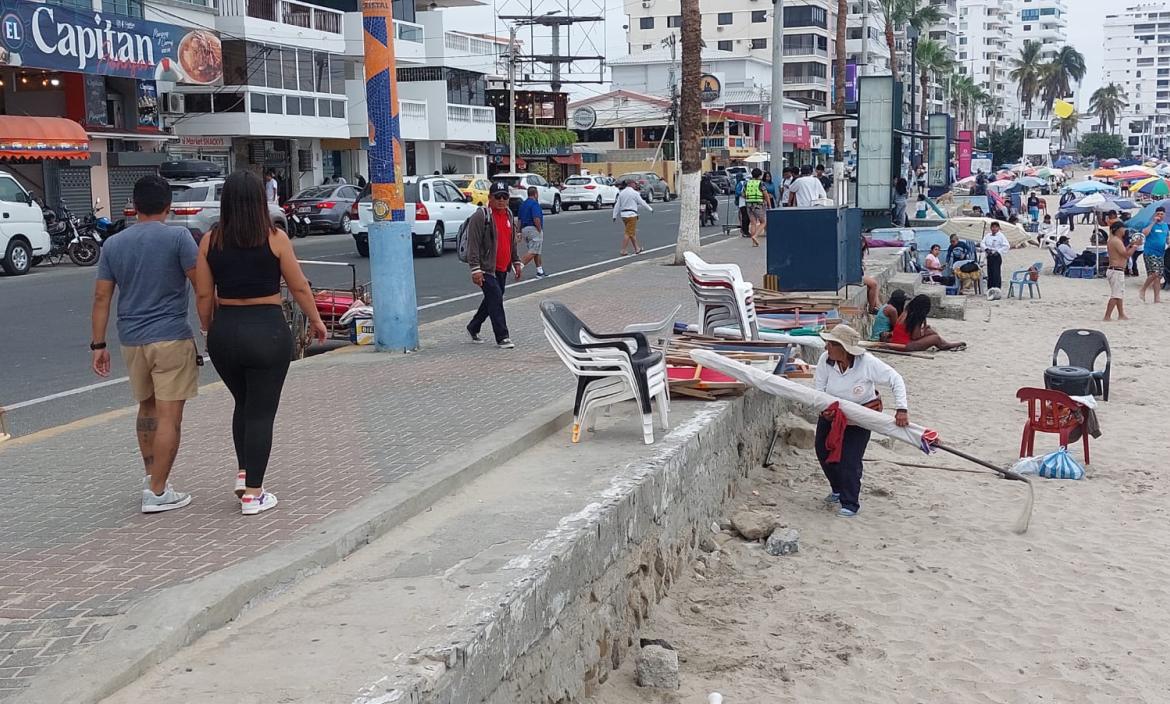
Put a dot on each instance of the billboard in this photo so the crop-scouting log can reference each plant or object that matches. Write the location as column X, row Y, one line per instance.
column 34, row 35
column 964, row 147
column 878, row 96
column 938, row 149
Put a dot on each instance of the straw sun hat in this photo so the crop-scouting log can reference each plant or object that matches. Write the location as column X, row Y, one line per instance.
column 847, row 337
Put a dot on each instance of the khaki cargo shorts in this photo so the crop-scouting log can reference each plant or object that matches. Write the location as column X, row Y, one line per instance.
column 164, row 370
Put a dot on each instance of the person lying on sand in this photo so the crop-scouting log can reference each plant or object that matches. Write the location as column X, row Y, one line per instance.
column 911, row 333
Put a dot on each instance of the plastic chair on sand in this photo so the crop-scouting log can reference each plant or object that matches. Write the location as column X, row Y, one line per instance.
column 610, row 368
column 1058, row 265
column 1023, row 278
column 1052, row 412
column 1083, row 348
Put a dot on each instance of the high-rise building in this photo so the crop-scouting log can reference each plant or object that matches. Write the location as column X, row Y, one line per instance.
column 1137, row 58
column 984, row 49
column 744, row 28
column 1044, row 21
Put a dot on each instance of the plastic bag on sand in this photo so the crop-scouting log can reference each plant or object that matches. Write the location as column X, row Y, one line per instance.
column 1027, row 466
column 1060, row 465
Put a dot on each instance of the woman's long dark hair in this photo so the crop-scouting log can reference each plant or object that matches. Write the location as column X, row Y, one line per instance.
column 916, row 311
column 767, row 177
column 900, row 186
column 898, row 300
column 244, row 222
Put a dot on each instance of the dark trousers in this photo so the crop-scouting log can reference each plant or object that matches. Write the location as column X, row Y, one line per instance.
column 744, row 224
column 492, row 306
column 844, row 476
column 250, row 347
column 994, row 267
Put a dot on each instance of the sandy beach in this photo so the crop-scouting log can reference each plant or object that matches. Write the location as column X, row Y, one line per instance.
column 928, row 596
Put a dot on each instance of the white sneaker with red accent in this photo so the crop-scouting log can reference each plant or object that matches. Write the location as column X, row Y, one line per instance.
column 240, row 486
column 251, row 505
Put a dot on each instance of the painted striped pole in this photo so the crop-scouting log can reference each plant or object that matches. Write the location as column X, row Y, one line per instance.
column 391, row 248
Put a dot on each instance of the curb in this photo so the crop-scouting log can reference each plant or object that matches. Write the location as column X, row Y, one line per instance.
column 162, row 624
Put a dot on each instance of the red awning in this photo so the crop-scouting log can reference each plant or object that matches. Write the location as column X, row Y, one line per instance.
column 42, row 138
column 520, row 163
column 570, row 160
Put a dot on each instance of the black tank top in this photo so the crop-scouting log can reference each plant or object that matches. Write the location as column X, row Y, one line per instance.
column 244, row 273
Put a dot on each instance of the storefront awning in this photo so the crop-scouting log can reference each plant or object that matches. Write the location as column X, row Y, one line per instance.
column 42, row 138
column 568, row 160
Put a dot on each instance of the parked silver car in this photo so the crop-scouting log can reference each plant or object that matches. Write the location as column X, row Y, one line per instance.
column 195, row 206
column 327, row 207
column 649, row 184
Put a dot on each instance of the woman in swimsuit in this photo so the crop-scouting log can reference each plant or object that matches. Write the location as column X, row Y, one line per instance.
column 912, row 334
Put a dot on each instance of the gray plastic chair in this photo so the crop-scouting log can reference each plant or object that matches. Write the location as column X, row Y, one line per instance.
column 1083, row 347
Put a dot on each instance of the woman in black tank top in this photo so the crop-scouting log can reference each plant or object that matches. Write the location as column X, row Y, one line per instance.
column 241, row 263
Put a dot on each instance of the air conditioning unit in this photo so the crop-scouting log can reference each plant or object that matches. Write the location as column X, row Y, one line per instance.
column 175, row 103
column 719, row 28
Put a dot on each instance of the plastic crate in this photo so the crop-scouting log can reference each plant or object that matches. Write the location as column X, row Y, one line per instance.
column 1081, row 272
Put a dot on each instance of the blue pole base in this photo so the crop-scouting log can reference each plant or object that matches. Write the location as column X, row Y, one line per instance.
column 392, row 271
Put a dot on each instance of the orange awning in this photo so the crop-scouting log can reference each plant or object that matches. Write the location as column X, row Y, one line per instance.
column 42, row 138
column 568, row 160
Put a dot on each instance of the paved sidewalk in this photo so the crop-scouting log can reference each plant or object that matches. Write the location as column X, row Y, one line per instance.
column 75, row 553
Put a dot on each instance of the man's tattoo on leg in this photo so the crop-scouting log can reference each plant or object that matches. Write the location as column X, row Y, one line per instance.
column 147, row 424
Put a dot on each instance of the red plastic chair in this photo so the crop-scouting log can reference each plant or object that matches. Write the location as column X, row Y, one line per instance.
column 1051, row 412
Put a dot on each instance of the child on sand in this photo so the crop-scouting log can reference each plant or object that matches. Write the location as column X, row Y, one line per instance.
column 1119, row 255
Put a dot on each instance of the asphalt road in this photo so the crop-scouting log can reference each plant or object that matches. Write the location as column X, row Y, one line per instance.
column 45, row 378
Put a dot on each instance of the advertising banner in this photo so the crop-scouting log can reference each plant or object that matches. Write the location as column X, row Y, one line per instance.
column 938, row 150
column 147, row 105
column 964, row 148
column 851, row 83
column 56, row 38
column 796, row 134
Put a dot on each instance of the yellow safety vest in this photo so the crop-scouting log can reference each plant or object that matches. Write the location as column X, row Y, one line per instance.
column 753, row 191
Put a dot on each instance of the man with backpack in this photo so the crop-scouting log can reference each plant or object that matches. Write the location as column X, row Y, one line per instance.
column 490, row 247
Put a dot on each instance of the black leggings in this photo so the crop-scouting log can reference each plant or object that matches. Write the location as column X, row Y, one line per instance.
column 250, row 347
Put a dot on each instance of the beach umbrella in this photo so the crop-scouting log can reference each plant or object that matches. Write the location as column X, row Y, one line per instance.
column 1157, row 187
column 1106, row 173
column 1064, row 161
column 1122, row 203
column 1031, row 182
column 1092, row 187
column 758, row 158
column 965, row 181
column 1046, row 172
column 1110, row 162
column 1002, row 184
column 1143, row 219
column 1005, row 174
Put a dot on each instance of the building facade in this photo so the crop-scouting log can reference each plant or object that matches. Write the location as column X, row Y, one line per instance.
column 985, row 49
column 1137, row 58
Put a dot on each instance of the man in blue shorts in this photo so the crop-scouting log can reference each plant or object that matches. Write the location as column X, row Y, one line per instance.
column 532, row 228
column 1155, row 254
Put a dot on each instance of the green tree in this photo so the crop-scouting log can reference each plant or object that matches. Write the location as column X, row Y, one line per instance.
column 1026, row 72
column 1007, row 146
column 1107, row 103
column 1059, row 74
column 934, row 59
column 1103, row 146
column 1067, row 126
column 920, row 14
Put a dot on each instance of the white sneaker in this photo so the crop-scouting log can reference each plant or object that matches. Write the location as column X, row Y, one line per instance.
column 251, row 505
column 169, row 500
column 240, row 486
column 506, row 344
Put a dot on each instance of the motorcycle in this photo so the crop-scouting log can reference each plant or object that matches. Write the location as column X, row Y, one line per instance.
column 104, row 227
column 708, row 213
column 68, row 236
column 298, row 225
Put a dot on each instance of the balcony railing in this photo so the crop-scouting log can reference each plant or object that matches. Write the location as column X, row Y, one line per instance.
column 468, row 45
column 470, row 114
column 730, row 142
column 296, row 14
column 408, row 31
column 412, row 110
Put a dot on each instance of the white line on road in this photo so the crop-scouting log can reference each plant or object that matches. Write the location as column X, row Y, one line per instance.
column 63, row 394
column 436, row 304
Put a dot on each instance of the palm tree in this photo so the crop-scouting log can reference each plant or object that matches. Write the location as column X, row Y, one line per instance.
column 1026, row 70
column 1107, row 103
column 1066, row 68
column 919, row 14
column 839, row 89
column 933, row 59
column 690, row 129
column 1068, row 127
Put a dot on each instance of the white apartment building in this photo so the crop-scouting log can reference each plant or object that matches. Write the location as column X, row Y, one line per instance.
column 1044, row 21
column 1137, row 58
column 985, row 47
column 744, row 28
column 866, row 38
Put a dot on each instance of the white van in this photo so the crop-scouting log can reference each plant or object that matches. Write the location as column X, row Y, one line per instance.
column 22, row 228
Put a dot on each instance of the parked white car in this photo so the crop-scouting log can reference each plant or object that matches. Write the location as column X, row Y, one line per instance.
column 548, row 195
column 588, row 192
column 435, row 208
column 23, row 238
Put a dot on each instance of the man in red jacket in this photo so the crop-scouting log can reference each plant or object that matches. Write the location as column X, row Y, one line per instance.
column 491, row 253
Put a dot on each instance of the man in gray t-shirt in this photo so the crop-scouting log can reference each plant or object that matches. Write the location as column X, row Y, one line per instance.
column 150, row 264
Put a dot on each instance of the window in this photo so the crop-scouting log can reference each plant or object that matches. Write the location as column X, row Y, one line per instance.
column 308, row 107
column 11, row 192
column 759, row 43
column 292, row 106
column 275, row 104
column 337, row 75
column 1029, row 15
column 647, row 47
column 724, row 45
column 1027, row 28
column 759, row 15
column 725, row 18
column 645, row 23
column 259, row 103
column 272, row 69
column 674, row 21
column 227, row 102
column 305, row 71
column 323, row 108
column 805, row 16
column 288, row 64
column 338, row 108
column 198, row 102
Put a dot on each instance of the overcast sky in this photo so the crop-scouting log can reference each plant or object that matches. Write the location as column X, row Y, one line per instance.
column 1086, row 18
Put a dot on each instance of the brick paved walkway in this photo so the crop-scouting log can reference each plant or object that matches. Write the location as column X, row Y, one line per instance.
column 75, row 552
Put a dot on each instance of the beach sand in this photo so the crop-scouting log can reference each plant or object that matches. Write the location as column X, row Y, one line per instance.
column 928, row 596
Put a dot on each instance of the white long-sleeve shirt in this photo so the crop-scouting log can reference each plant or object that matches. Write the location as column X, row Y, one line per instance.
column 859, row 382
column 627, row 203
column 996, row 242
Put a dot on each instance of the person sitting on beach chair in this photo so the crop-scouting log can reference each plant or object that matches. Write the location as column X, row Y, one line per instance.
column 911, row 332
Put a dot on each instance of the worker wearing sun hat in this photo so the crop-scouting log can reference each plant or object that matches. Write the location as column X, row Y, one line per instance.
column 848, row 372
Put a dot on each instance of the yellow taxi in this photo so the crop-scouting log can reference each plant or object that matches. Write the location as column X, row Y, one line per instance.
column 474, row 187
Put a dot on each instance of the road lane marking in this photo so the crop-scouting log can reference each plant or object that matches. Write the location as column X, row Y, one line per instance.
column 63, row 394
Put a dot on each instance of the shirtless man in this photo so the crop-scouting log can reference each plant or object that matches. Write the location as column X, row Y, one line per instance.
column 1119, row 256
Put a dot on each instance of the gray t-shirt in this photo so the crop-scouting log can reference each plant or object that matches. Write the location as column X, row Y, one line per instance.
column 148, row 262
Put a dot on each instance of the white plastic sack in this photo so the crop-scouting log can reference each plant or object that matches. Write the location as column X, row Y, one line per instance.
column 1060, row 465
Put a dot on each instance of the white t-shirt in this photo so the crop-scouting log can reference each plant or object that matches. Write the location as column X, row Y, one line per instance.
column 270, row 189
column 808, row 190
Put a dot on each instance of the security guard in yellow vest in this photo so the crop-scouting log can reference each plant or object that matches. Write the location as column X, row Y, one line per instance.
column 756, row 197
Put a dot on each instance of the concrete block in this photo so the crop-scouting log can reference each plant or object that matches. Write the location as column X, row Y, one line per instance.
column 657, row 667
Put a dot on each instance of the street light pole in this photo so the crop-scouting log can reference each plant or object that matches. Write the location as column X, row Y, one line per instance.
column 776, row 138
column 391, row 249
column 512, row 100
column 912, row 33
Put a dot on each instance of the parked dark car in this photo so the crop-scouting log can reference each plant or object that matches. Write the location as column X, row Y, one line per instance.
column 649, row 184
column 327, row 207
column 721, row 182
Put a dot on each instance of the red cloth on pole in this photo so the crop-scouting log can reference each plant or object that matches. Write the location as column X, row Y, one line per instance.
column 835, row 441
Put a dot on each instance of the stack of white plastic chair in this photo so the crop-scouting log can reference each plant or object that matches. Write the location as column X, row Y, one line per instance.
column 610, row 368
column 724, row 298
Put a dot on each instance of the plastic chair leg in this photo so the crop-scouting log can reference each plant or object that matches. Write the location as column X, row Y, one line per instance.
column 1085, row 442
column 648, row 428
column 664, row 409
column 1024, row 441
